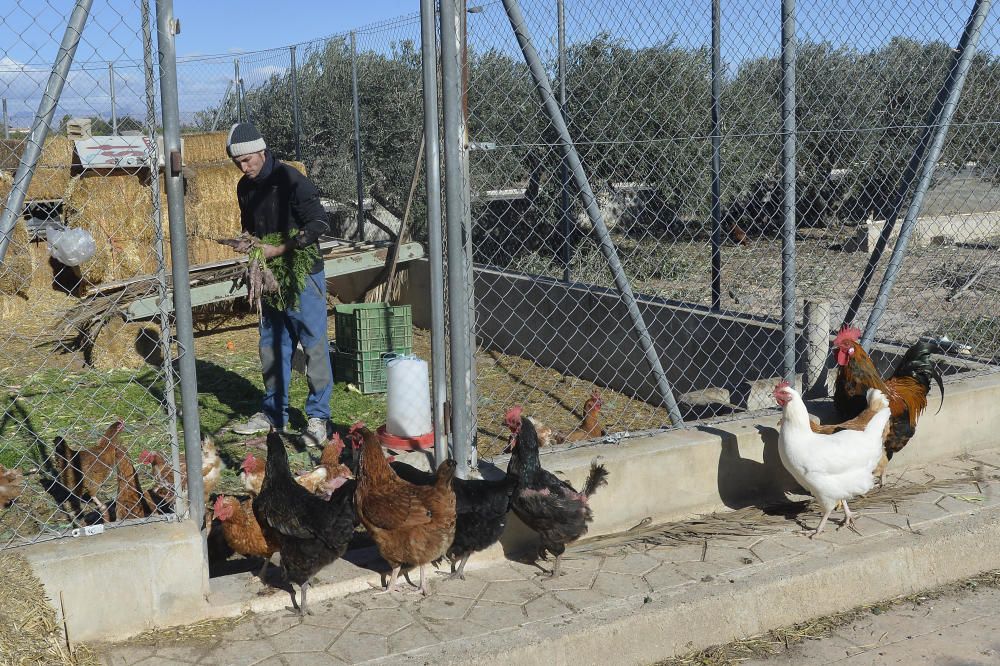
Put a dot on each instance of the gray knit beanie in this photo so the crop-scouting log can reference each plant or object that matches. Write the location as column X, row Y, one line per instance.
column 244, row 139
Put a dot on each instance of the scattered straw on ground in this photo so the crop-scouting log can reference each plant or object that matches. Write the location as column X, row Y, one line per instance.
column 29, row 631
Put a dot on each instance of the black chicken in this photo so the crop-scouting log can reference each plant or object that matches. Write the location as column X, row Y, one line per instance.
column 481, row 508
column 310, row 531
column 545, row 503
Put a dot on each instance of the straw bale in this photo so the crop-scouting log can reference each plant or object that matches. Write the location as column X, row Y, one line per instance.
column 57, row 152
column 18, row 264
column 204, row 147
column 121, row 344
column 13, row 308
column 115, row 260
column 52, row 173
column 211, row 208
column 115, row 206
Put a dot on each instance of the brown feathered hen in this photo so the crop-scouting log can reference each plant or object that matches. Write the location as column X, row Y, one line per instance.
column 82, row 472
column 411, row 525
column 11, row 485
column 242, row 531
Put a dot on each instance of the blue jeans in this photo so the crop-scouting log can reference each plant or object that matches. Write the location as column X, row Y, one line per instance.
column 280, row 332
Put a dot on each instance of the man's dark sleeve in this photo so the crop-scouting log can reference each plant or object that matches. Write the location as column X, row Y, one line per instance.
column 309, row 212
column 241, row 197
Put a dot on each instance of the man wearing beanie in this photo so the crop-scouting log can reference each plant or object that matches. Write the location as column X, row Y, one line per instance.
column 275, row 198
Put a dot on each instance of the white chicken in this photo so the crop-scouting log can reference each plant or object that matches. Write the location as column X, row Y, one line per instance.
column 833, row 468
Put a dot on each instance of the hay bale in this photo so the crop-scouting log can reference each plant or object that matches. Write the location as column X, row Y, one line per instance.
column 117, row 206
column 211, row 210
column 13, row 308
column 52, row 173
column 29, row 630
column 204, row 147
column 121, row 344
column 18, row 264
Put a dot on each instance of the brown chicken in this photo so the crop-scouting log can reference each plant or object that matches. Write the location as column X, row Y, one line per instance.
column 82, row 472
column 163, row 472
column 242, row 531
column 11, row 485
column 906, row 388
column 590, row 428
column 411, row 525
column 131, row 501
column 330, row 474
column 252, row 473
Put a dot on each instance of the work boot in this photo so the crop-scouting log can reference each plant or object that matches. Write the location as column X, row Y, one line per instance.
column 258, row 423
column 315, row 432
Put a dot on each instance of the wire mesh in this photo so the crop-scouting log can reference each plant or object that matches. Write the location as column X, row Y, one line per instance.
column 89, row 430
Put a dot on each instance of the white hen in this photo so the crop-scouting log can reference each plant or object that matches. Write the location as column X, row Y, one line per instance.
column 833, row 468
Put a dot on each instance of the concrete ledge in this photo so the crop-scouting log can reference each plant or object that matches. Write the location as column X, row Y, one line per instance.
column 125, row 581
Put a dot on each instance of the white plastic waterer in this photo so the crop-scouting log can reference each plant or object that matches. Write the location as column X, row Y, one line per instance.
column 407, row 397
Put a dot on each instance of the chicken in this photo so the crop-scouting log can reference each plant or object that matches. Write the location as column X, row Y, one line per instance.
column 512, row 419
column 906, row 389
column 833, row 468
column 131, row 501
column 481, row 508
column 163, row 472
column 330, row 474
column 545, row 503
column 310, row 532
column 252, row 474
column 82, row 472
column 11, row 485
column 590, row 428
column 411, row 525
column 242, row 531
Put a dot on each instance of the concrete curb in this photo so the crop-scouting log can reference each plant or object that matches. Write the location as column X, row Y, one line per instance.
column 695, row 617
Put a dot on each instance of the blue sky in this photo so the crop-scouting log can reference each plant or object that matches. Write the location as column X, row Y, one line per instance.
column 30, row 31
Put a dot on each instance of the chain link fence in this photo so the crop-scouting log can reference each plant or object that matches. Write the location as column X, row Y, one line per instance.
column 89, row 429
column 552, row 332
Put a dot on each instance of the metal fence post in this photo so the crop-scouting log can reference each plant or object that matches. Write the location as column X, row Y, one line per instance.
column 716, row 157
column 295, row 105
column 788, row 124
column 222, row 105
column 460, row 324
column 167, row 28
column 114, row 110
column 947, row 102
column 43, row 120
column 565, row 247
column 162, row 291
column 590, row 201
column 359, row 174
column 239, row 90
column 6, row 121
column 428, row 47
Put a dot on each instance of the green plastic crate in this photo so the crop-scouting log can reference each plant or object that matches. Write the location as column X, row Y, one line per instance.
column 366, row 370
column 373, row 327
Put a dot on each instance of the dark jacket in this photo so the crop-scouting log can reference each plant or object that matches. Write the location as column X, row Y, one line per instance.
column 279, row 199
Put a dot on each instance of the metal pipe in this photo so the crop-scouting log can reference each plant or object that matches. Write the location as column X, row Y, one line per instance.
column 6, row 120
column 470, row 460
column 167, row 28
column 716, row 157
column 428, row 46
column 946, row 102
column 565, row 245
column 222, row 104
column 114, row 110
column 43, row 120
column 460, row 325
column 239, row 95
column 163, row 295
column 788, row 187
column 243, row 101
column 590, row 202
column 295, row 106
column 357, row 138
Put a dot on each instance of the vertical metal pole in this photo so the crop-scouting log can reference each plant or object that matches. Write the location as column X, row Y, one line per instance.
column 357, row 138
column 295, row 105
column 566, row 229
column 590, row 201
column 222, row 106
column 716, row 157
column 788, row 187
column 239, row 90
column 6, row 121
column 471, row 458
column 42, row 122
column 460, row 326
column 167, row 28
column 243, row 102
column 947, row 101
column 163, row 302
column 428, row 45
column 114, row 109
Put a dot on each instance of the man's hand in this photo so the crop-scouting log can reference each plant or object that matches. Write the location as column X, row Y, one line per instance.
column 273, row 250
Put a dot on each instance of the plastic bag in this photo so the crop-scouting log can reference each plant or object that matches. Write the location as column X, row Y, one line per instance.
column 72, row 247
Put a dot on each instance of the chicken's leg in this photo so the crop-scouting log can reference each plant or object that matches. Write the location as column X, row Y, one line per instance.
column 423, row 582
column 391, row 585
column 822, row 523
column 304, row 610
column 849, row 517
column 555, row 567
column 461, row 569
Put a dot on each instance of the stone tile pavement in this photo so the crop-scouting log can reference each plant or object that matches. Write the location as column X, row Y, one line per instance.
column 622, row 572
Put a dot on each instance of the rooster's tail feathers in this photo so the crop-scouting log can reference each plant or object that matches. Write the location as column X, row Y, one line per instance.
column 598, row 477
column 918, row 364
